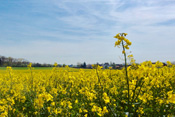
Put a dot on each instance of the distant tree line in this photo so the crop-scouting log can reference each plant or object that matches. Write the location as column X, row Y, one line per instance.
column 105, row 65
column 81, row 65
column 14, row 62
column 42, row 65
column 19, row 62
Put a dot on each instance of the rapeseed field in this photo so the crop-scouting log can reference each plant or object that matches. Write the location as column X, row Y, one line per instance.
column 137, row 90
column 96, row 92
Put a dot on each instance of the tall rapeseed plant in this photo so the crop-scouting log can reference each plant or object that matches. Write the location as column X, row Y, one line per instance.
column 125, row 43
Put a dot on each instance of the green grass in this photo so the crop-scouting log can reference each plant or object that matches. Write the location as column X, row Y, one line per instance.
column 3, row 70
column 25, row 68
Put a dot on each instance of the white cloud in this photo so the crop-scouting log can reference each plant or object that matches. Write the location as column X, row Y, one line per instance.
column 83, row 30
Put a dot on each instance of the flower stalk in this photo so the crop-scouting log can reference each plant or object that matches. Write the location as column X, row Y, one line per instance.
column 124, row 43
column 126, row 74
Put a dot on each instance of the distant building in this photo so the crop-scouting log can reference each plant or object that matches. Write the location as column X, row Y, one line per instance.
column 105, row 65
column 118, row 66
column 89, row 66
column 71, row 65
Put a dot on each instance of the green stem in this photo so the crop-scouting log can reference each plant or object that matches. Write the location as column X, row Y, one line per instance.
column 126, row 73
column 32, row 79
column 98, row 77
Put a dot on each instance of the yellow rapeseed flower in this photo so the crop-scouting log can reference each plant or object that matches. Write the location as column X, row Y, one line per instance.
column 29, row 65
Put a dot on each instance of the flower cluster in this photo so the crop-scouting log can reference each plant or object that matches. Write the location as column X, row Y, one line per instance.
column 121, row 39
column 90, row 92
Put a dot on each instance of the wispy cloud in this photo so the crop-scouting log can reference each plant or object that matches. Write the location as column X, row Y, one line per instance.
column 82, row 30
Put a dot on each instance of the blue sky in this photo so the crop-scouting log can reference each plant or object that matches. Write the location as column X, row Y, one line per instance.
column 71, row 31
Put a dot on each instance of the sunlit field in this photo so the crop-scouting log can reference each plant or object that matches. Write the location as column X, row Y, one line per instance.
column 95, row 92
column 36, row 69
column 144, row 89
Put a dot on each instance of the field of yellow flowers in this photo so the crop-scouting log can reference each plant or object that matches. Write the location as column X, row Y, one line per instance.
column 96, row 92
column 137, row 90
